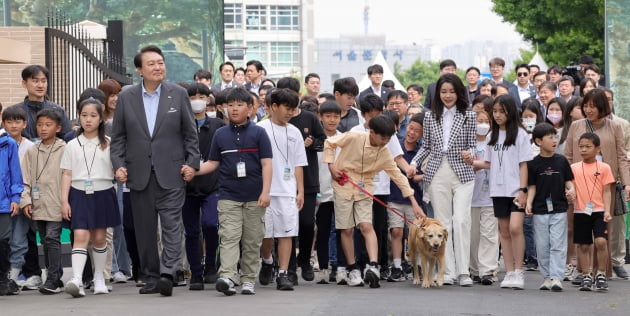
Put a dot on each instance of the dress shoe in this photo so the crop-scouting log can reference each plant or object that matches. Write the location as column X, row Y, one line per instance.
column 149, row 288
column 165, row 285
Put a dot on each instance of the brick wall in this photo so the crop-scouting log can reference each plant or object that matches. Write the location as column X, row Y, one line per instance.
column 11, row 91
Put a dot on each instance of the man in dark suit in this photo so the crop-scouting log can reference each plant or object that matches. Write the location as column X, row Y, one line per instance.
column 255, row 74
column 154, row 149
column 447, row 66
column 497, row 66
column 227, row 78
column 523, row 89
column 375, row 73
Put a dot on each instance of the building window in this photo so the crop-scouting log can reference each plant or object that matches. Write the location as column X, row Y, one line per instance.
column 233, row 15
column 258, row 51
column 256, row 17
column 285, row 54
column 283, row 17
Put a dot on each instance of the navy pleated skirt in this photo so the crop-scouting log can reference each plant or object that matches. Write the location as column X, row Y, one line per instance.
column 91, row 211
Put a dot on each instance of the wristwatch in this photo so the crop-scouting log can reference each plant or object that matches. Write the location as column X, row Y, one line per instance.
column 523, row 189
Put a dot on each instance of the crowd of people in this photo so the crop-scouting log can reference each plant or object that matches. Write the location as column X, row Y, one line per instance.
column 248, row 181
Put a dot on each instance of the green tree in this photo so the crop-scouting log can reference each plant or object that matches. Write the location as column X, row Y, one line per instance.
column 564, row 30
column 422, row 73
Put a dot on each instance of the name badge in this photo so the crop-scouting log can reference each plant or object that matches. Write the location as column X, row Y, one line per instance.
column 240, row 169
column 35, row 192
column 500, row 176
column 362, row 185
column 89, row 187
column 485, row 185
column 377, row 177
column 589, row 208
column 286, row 175
column 549, row 204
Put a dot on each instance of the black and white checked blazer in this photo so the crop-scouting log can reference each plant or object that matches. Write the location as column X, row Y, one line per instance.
column 463, row 135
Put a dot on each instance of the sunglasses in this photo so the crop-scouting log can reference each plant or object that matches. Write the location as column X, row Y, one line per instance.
column 522, row 74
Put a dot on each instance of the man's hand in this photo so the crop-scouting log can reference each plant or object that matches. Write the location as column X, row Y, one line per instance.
column 28, row 211
column 411, row 172
column 263, row 200
column 528, row 210
column 15, row 209
column 66, row 211
column 334, row 172
column 187, row 172
column 121, row 174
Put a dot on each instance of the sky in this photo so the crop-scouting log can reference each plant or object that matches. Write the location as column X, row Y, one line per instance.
column 444, row 22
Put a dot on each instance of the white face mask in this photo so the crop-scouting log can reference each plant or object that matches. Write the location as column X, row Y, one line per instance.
column 198, row 106
column 529, row 123
column 483, row 129
column 211, row 113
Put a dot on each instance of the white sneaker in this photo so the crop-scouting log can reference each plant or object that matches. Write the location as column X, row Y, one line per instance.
column 75, row 288
column 225, row 286
column 518, row 280
column 447, row 280
column 371, row 276
column 465, row 280
column 354, row 278
column 322, row 276
column 247, row 288
column 568, row 272
column 33, row 283
column 100, row 287
column 342, row 277
column 556, row 285
column 507, row 280
column 546, row 286
column 14, row 274
column 119, row 277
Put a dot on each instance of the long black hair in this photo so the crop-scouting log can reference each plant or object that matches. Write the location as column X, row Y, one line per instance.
column 512, row 124
column 102, row 140
column 437, row 107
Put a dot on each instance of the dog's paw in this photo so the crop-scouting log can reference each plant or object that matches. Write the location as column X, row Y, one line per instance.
column 416, row 281
column 439, row 283
column 426, row 285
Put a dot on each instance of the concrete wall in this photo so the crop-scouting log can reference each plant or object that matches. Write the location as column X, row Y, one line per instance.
column 11, row 91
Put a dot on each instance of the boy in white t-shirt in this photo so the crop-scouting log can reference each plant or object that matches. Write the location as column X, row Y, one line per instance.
column 281, row 217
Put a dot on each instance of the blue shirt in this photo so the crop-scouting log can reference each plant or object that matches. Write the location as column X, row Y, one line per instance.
column 151, row 102
column 232, row 144
column 394, row 192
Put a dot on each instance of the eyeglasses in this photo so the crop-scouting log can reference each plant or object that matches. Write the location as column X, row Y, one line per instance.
column 522, row 74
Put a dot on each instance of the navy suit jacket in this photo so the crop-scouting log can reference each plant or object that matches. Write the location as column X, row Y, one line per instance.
column 384, row 93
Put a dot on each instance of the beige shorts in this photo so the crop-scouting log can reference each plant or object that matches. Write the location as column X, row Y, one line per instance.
column 349, row 213
column 394, row 220
column 281, row 217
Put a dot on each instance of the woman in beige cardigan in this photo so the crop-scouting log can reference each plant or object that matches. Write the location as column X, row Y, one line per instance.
column 596, row 110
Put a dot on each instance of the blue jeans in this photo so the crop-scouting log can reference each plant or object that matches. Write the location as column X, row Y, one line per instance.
column 551, row 244
column 120, row 259
column 530, row 243
column 19, row 242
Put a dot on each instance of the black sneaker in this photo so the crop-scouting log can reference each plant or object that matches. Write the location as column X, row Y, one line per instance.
column 385, row 273
column 283, row 283
column 307, row 272
column 332, row 278
column 577, row 280
column 487, row 279
column 531, row 265
column 196, row 283
column 14, row 289
column 293, row 277
column 50, row 287
column 396, row 275
column 4, row 285
column 266, row 274
column 210, row 275
column 587, row 283
column 600, row 283
column 179, row 279
column 476, row 279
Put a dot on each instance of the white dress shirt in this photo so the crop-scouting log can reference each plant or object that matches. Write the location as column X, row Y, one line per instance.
column 447, row 123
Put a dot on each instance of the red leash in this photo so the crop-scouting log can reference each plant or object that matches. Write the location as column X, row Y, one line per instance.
column 345, row 179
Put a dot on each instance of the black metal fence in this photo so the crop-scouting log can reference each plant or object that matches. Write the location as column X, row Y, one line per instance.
column 77, row 61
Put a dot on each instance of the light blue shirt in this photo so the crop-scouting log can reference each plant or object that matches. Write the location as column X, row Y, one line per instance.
column 151, row 102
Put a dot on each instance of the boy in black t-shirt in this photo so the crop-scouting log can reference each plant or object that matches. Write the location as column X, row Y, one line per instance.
column 550, row 186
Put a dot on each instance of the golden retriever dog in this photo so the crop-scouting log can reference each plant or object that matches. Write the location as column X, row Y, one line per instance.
column 427, row 240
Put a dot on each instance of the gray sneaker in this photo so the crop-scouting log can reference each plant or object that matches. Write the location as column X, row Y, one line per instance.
column 620, row 272
column 32, row 283
column 226, row 286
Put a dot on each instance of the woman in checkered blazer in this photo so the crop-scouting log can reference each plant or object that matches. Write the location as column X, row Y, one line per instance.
column 449, row 137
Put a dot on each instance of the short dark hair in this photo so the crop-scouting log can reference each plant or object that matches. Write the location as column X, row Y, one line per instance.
column 221, row 97
column 237, row 94
column 398, row 93
column 32, row 70
column 202, row 74
column 549, row 85
column 273, row 84
column 600, row 101
column 346, row 85
column 370, row 102
column 473, row 68
column 309, row 76
column 416, row 87
column 418, row 118
column 51, row 113
column 13, row 113
column 239, row 69
column 289, row 83
column 91, row 93
column 308, row 98
column 526, row 66
column 197, row 87
column 497, row 61
column 554, row 68
column 486, row 100
column 534, row 66
column 256, row 63
column 392, row 116
column 592, row 67
column 389, row 84
column 327, row 96
column 329, row 106
column 375, row 69
column 284, row 96
column 265, row 88
column 447, row 62
column 308, row 106
column 382, row 125
column 137, row 60
column 227, row 63
column 586, row 60
column 592, row 137
column 567, row 78
column 541, row 130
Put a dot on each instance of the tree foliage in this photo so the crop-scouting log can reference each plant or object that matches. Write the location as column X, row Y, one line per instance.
column 564, row 30
column 420, row 72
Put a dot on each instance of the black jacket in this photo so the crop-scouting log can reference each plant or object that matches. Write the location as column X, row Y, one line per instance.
column 202, row 186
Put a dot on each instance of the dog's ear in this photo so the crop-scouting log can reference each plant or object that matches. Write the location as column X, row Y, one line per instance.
column 445, row 232
column 421, row 233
